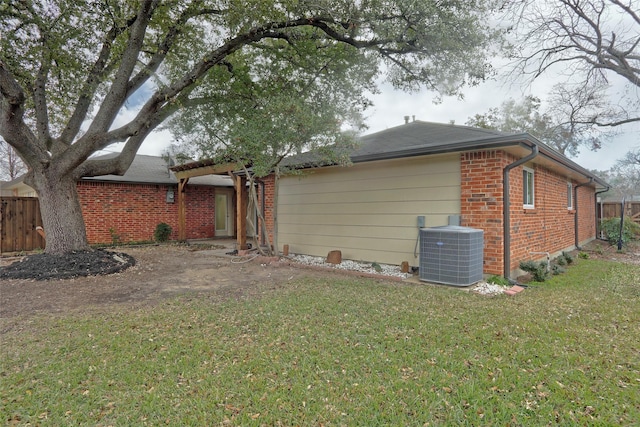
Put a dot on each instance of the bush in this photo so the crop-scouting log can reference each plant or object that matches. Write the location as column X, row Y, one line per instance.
column 567, row 257
column 498, row 280
column 537, row 269
column 556, row 270
column 162, row 233
column 611, row 230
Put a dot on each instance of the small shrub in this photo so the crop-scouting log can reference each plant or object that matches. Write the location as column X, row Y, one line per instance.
column 537, row 269
column 556, row 270
column 567, row 257
column 583, row 255
column 611, row 229
column 498, row 280
column 561, row 261
column 162, row 233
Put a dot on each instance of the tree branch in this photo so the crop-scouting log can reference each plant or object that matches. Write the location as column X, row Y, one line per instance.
column 40, row 99
column 12, row 127
column 117, row 92
column 632, row 13
column 614, row 123
column 118, row 165
column 94, row 77
column 165, row 46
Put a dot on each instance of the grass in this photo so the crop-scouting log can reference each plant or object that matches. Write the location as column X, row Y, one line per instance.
column 351, row 352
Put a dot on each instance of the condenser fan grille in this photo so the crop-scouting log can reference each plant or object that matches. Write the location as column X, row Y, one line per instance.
column 451, row 255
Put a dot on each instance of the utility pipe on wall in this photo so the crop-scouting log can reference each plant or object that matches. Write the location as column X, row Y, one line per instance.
column 506, row 208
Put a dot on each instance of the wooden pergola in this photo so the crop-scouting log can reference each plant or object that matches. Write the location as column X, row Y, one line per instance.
column 209, row 167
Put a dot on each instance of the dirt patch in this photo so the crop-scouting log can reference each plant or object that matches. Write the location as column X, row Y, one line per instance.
column 599, row 249
column 159, row 272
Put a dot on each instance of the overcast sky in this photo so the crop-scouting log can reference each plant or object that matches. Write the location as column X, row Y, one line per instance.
column 391, row 107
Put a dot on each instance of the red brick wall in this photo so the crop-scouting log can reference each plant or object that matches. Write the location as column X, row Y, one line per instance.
column 269, row 211
column 131, row 212
column 481, row 201
column 547, row 228
column 586, row 213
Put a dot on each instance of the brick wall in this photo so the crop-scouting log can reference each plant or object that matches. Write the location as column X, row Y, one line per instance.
column 269, row 211
column 481, row 201
column 131, row 212
column 549, row 227
column 586, row 199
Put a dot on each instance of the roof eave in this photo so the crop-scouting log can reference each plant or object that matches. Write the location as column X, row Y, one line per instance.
column 494, row 142
column 522, row 140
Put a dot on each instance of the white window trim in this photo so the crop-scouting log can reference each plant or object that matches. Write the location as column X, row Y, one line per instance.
column 569, row 196
column 533, row 188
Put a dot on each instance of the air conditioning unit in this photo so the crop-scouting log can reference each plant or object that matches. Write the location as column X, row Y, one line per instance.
column 451, row 255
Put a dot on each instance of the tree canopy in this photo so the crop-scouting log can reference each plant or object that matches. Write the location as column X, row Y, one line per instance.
column 68, row 69
column 624, row 176
column 553, row 127
column 593, row 44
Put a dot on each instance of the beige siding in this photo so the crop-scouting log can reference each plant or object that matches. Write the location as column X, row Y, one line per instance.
column 368, row 211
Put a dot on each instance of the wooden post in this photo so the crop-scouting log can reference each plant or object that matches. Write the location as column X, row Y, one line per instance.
column 182, row 209
column 241, row 212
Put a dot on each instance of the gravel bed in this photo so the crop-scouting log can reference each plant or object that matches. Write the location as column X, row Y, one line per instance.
column 484, row 288
column 365, row 267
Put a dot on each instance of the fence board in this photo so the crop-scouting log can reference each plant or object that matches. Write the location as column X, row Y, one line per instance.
column 19, row 217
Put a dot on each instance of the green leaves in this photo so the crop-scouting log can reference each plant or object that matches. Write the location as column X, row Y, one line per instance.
column 236, row 51
column 259, row 78
column 301, row 87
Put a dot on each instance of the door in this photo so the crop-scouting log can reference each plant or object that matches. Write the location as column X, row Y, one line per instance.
column 223, row 214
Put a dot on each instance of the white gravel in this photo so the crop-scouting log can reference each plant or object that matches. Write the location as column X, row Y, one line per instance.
column 484, row 288
column 365, row 267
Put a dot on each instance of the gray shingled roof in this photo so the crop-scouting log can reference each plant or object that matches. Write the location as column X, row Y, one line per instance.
column 155, row 170
column 421, row 135
column 422, row 138
column 414, row 138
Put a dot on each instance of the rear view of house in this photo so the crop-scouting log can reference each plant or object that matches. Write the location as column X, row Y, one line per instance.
column 528, row 199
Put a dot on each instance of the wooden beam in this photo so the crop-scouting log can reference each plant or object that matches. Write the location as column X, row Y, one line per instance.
column 208, row 170
column 182, row 209
column 241, row 211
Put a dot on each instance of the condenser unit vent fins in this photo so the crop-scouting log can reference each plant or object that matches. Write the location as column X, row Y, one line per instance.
column 451, row 255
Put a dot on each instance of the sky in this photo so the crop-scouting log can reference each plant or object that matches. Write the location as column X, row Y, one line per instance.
column 390, row 107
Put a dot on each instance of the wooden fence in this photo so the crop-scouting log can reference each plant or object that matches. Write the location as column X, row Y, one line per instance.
column 614, row 209
column 19, row 217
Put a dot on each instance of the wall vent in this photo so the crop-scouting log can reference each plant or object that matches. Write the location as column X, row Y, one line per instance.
column 451, row 255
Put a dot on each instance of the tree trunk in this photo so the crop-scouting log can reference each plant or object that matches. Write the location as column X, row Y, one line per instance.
column 61, row 213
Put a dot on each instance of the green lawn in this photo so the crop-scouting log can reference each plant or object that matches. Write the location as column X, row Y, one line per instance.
column 351, row 352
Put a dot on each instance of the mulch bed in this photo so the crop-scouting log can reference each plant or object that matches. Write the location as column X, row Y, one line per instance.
column 75, row 264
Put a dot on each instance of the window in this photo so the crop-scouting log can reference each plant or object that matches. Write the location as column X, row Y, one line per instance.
column 527, row 188
column 569, row 196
